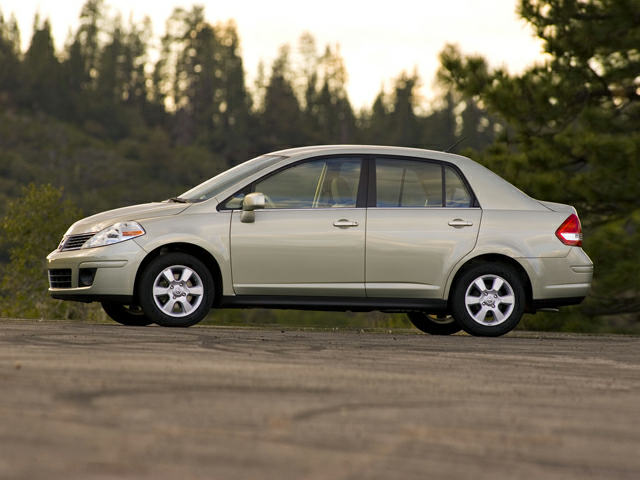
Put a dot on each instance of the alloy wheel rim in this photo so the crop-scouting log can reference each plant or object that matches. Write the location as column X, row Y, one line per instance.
column 178, row 291
column 489, row 300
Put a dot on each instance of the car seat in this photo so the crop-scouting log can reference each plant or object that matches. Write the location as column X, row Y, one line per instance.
column 341, row 193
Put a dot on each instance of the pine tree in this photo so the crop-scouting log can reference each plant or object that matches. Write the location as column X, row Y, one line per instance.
column 233, row 122
column 88, row 38
column 406, row 127
column 119, row 98
column 393, row 120
column 574, row 130
column 9, row 60
column 375, row 123
column 281, row 118
column 41, row 86
column 332, row 110
column 202, row 75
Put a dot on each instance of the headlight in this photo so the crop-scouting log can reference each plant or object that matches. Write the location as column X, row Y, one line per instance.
column 116, row 233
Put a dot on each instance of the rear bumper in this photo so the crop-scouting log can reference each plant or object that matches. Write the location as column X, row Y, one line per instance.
column 555, row 303
column 558, row 282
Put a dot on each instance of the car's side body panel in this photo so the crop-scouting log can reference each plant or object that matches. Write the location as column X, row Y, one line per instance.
column 410, row 251
column 521, row 233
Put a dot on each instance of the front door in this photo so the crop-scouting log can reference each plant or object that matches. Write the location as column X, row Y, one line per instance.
column 309, row 240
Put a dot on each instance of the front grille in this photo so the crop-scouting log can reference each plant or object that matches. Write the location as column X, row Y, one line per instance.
column 60, row 278
column 74, row 242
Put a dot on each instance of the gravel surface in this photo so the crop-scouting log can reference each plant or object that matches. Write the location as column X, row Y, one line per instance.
column 81, row 401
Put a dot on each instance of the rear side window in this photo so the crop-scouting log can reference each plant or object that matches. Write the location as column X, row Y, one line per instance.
column 414, row 183
column 408, row 183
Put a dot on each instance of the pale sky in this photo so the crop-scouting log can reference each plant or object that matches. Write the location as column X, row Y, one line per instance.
column 378, row 40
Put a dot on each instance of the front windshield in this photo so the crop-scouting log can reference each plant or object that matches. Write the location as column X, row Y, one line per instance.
column 229, row 178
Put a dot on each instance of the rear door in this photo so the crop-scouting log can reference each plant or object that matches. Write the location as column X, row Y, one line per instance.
column 421, row 221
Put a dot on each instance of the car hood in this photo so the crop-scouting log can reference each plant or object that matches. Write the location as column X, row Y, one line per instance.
column 97, row 222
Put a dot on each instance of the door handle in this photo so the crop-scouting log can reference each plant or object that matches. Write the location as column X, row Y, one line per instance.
column 343, row 223
column 458, row 222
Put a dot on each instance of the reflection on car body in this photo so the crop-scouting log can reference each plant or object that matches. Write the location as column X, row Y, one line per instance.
column 348, row 227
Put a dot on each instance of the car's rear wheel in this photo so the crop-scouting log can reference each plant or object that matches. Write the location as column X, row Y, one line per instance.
column 434, row 324
column 176, row 290
column 488, row 300
column 130, row 315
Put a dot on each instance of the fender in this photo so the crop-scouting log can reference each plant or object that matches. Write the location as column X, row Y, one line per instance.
column 530, row 239
column 209, row 231
column 530, row 265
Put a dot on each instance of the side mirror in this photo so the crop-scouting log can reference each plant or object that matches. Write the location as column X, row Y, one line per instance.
column 251, row 202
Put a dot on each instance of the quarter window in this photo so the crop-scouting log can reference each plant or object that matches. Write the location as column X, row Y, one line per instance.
column 235, row 201
column 457, row 194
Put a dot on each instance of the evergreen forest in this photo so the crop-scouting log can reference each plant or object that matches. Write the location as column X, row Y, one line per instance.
column 116, row 116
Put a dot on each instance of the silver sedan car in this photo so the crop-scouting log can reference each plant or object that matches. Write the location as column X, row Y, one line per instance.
column 347, row 228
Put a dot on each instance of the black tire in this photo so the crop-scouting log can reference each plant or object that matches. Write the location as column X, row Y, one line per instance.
column 488, row 300
column 434, row 325
column 181, row 302
column 130, row 315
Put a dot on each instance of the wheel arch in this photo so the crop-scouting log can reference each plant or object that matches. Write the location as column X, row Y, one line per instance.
column 495, row 258
column 194, row 250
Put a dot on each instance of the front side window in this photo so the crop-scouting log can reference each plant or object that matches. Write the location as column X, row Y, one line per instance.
column 323, row 183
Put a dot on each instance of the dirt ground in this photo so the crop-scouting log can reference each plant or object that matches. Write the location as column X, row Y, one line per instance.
column 81, row 401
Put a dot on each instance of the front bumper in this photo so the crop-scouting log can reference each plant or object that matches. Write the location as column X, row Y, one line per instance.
column 115, row 272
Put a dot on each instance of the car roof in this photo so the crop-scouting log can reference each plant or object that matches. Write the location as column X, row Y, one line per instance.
column 368, row 149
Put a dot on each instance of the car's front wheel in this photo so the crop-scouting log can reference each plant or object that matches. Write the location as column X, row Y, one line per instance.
column 176, row 290
column 130, row 315
column 434, row 324
column 488, row 300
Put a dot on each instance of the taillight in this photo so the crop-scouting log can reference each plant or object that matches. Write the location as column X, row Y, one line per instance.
column 570, row 232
